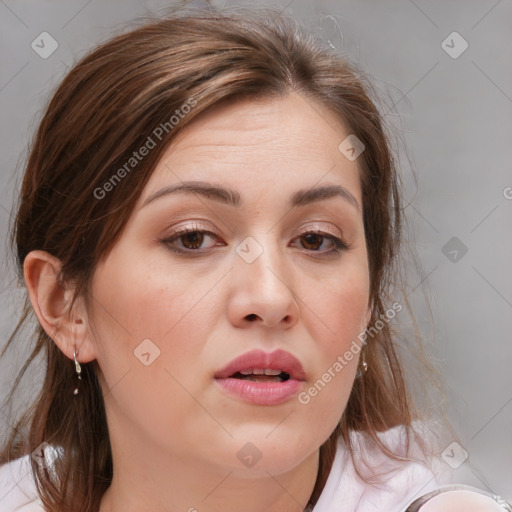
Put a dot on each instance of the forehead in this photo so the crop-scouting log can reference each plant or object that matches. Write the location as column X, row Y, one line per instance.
column 286, row 142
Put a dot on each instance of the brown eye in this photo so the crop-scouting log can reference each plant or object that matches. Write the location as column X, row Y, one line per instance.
column 192, row 239
column 313, row 241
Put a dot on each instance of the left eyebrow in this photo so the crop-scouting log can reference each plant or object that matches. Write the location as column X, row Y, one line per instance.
column 230, row 197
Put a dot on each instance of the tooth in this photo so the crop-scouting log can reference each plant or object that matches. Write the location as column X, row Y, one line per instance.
column 259, row 371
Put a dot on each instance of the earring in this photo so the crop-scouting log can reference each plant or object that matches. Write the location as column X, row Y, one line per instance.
column 364, row 365
column 78, row 371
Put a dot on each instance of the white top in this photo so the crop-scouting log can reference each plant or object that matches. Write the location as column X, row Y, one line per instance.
column 397, row 484
column 343, row 491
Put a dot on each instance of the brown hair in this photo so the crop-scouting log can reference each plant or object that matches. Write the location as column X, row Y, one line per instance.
column 101, row 113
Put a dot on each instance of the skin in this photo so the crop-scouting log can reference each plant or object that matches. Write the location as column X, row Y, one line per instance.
column 175, row 435
column 468, row 501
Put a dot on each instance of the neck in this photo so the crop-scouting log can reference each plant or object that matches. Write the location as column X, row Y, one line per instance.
column 163, row 485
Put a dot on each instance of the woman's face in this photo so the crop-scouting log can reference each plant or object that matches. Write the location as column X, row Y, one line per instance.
column 261, row 269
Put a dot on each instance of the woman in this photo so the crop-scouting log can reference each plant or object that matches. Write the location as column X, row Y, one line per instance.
column 207, row 228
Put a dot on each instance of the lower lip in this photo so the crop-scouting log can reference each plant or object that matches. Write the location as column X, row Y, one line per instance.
column 261, row 393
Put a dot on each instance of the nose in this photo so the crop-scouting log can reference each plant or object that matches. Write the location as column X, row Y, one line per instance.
column 262, row 291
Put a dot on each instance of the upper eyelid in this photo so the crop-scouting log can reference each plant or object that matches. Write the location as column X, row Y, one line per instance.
column 210, row 232
column 196, row 225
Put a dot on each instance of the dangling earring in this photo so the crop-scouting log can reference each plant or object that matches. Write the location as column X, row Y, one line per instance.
column 78, row 371
column 364, row 367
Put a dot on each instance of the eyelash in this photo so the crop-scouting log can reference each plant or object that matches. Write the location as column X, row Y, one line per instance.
column 339, row 244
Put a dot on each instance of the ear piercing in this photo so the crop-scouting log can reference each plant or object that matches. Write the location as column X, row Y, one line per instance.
column 78, row 370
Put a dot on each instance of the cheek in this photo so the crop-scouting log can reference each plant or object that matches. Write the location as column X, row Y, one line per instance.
column 335, row 313
column 149, row 327
column 145, row 301
column 335, row 321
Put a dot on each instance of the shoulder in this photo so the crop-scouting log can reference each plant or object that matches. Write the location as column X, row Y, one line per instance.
column 459, row 497
column 17, row 487
column 391, row 485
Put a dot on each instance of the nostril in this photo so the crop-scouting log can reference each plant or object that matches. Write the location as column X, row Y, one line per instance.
column 251, row 317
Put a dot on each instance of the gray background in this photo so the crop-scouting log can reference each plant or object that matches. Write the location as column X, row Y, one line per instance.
column 454, row 116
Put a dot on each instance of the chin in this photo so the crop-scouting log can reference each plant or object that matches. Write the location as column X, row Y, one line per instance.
column 257, row 456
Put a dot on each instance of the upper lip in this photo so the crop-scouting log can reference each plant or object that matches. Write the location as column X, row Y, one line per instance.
column 258, row 359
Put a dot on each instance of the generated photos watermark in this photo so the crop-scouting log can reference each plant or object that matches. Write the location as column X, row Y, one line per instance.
column 344, row 359
column 151, row 142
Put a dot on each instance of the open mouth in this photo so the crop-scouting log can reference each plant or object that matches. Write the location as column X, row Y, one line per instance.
column 275, row 376
column 259, row 378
